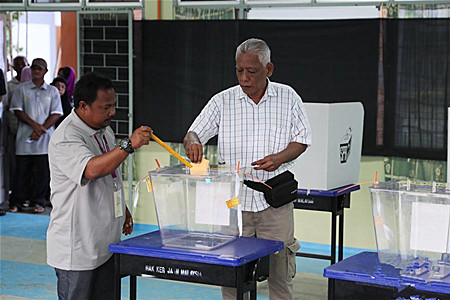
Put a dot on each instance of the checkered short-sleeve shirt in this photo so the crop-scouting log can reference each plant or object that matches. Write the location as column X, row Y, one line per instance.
column 248, row 132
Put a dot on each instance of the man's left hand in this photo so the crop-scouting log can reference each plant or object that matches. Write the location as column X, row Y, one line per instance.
column 128, row 225
column 34, row 135
column 269, row 163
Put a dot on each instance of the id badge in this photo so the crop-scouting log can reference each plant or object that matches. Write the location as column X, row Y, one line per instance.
column 118, row 208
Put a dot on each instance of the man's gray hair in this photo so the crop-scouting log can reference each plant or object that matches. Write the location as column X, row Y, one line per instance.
column 255, row 46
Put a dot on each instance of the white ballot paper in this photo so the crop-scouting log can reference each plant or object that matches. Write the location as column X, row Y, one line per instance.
column 210, row 203
column 430, row 227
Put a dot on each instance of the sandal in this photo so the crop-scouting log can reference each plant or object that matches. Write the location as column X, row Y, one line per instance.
column 38, row 209
column 14, row 209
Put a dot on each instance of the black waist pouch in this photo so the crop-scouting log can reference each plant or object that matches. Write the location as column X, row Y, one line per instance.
column 283, row 191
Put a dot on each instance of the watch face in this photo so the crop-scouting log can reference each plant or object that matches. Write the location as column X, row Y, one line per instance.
column 124, row 143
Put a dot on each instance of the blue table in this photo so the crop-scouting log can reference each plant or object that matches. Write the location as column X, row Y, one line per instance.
column 362, row 276
column 231, row 265
column 333, row 201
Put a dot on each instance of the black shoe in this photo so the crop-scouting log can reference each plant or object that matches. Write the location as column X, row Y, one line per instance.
column 27, row 206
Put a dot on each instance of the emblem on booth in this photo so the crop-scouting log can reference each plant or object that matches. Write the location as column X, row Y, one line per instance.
column 345, row 145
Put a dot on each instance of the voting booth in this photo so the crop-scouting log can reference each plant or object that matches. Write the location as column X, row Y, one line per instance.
column 333, row 159
column 412, row 227
column 192, row 210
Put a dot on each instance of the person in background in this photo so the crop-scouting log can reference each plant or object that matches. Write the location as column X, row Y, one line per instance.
column 263, row 124
column 60, row 84
column 26, row 74
column 11, row 124
column 89, row 211
column 37, row 105
column 19, row 62
column 68, row 73
column 2, row 85
column 2, row 93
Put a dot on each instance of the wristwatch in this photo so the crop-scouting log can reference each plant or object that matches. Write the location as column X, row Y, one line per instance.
column 125, row 145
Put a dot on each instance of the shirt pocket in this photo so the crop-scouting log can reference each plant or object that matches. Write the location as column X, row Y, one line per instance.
column 278, row 138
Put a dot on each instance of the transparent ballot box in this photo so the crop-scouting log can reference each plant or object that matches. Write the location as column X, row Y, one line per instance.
column 192, row 210
column 412, row 227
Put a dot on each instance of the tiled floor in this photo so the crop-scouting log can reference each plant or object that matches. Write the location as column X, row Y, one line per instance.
column 24, row 273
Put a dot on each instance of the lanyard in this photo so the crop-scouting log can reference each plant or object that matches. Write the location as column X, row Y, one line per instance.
column 113, row 174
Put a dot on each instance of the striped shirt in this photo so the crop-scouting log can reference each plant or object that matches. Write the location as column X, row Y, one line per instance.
column 248, row 132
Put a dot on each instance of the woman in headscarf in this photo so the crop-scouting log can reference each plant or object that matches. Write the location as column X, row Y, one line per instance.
column 68, row 73
column 26, row 74
column 61, row 85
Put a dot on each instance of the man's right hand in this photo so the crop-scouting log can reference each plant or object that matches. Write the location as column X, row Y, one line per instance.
column 140, row 137
column 193, row 147
column 34, row 136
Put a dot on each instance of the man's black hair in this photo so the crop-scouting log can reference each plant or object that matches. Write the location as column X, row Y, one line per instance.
column 20, row 57
column 87, row 87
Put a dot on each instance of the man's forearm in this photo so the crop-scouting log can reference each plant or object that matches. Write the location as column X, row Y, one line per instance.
column 22, row 116
column 105, row 164
column 292, row 151
column 51, row 120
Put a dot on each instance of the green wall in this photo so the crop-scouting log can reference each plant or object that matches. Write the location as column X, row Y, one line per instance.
column 359, row 232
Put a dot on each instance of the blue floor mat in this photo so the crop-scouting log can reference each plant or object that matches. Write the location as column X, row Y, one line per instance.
column 26, row 226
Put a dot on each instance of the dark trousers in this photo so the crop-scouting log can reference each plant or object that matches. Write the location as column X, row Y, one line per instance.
column 87, row 285
column 8, row 141
column 31, row 180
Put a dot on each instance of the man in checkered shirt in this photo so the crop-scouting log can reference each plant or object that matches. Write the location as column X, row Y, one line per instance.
column 262, row 124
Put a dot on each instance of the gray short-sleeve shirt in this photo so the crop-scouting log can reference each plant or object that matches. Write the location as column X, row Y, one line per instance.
column 82, row 221
column 38, row 104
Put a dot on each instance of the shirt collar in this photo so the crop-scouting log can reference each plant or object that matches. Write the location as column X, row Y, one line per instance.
column 33, row 86
column 270, row 91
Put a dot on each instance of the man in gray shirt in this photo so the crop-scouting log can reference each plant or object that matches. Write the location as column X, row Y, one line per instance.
column 37, row 105
column 89, row 210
